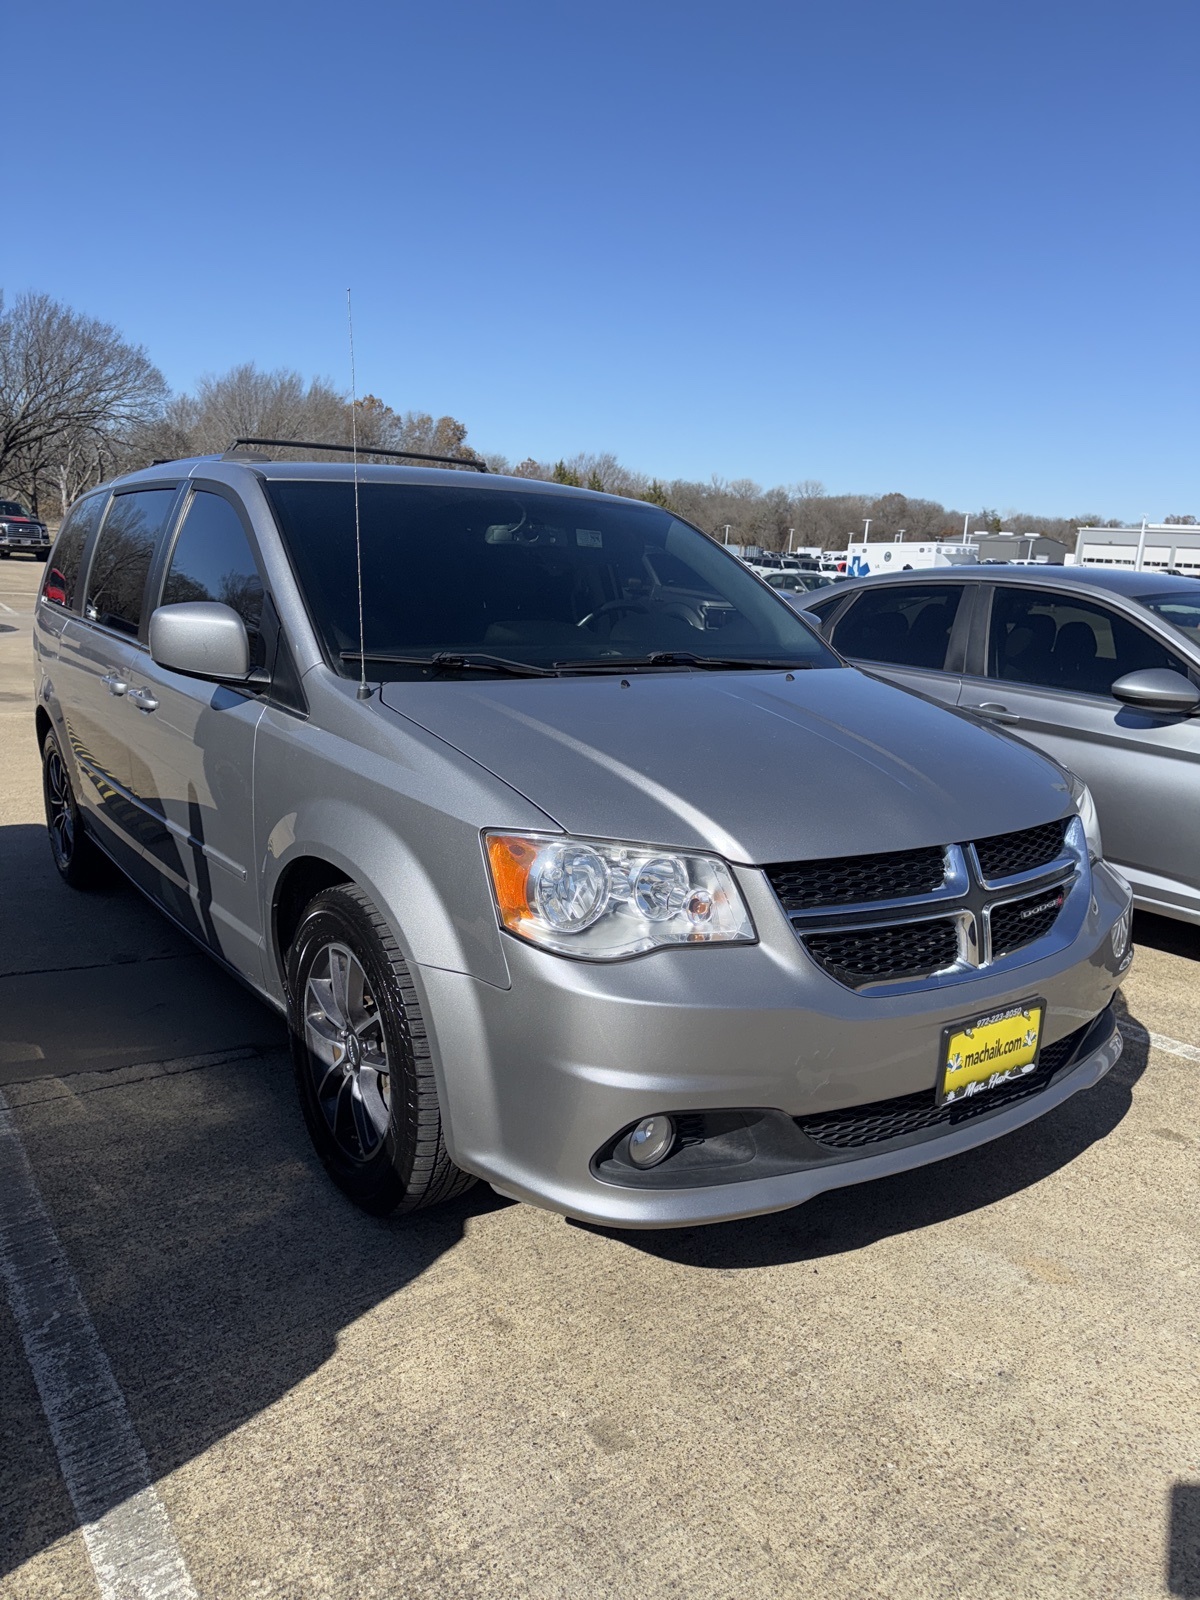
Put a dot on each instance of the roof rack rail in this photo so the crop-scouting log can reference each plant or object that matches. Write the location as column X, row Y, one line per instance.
column 362, row 450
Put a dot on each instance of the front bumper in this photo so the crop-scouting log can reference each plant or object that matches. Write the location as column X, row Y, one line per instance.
column 537, row 1079
column 31, row 539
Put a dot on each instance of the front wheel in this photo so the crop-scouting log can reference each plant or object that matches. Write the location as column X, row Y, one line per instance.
column 361, row 1055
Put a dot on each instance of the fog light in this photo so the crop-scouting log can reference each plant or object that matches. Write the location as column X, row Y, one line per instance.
column 651, row 1141
column 1120, row 934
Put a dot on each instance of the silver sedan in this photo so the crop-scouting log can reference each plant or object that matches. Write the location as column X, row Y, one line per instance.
column 1099, row 668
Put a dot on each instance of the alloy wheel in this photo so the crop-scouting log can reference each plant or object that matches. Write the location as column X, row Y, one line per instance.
column 60, row 809
column 347, row 1052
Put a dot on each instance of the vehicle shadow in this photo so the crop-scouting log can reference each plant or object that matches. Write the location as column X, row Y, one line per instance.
column 219, row 1264
column 1167, row 934
column 1183, row 1541
column 850, row 1219
column 44, row 926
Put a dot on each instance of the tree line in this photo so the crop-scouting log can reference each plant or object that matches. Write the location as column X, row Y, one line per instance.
column 79, row 403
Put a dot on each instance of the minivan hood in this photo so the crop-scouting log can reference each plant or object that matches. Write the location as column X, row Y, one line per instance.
column 748, row 764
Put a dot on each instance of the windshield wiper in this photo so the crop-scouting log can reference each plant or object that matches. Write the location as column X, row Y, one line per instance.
column 680, row 658
column 454, row 661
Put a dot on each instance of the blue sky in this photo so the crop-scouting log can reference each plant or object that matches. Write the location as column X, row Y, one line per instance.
column 949, row 249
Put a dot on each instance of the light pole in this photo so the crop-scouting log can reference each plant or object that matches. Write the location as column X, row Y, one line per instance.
column 1141, row 548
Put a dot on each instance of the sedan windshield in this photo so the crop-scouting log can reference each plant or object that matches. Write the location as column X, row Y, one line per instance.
column 469, row 578
column 1182, row 611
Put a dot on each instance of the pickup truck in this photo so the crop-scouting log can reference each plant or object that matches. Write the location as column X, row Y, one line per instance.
column 21, row 532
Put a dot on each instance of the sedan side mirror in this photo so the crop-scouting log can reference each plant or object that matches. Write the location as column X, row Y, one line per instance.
column 1158, row 689
column 203, row 639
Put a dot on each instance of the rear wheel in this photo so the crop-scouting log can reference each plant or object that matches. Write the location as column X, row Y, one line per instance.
column 80, row 863
column 362, row 1060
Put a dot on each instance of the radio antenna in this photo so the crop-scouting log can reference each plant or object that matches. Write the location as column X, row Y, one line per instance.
column 364, row 690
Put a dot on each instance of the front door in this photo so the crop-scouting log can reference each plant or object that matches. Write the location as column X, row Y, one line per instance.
column 1051, row 660
column 192, row 750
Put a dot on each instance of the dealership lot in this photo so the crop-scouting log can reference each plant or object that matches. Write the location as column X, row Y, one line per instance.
column 981, row 1378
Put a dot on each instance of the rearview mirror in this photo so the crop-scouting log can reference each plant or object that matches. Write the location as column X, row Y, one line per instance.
column 1157, row 689
column 203, row 639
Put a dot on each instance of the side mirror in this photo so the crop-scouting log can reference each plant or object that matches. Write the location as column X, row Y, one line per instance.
column 203, row 639
column 1157, row 689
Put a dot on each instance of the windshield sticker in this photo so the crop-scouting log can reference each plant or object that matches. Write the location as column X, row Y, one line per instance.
column 589, row 538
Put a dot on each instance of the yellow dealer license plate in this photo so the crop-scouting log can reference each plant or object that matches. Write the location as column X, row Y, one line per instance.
column 981, row 1055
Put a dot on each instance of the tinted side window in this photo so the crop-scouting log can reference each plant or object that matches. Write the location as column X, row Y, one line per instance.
column 1059, row 642
column 825, row 610
column 212, row 560
column 117, row 580
column 906, row 626
column 63, row 568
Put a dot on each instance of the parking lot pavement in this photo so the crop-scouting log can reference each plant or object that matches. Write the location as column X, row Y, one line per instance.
column 981, row 1379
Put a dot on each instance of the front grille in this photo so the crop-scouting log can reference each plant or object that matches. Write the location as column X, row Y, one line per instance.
column 882, row 954
column 913, row 1113
column 1017, row 923
column 1005, row 854
column 855, row 880
column 906, row 950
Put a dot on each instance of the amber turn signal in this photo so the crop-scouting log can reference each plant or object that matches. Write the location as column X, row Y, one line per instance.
column 510, row 860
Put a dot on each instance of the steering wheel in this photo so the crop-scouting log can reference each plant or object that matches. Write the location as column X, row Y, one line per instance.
column 610, row 606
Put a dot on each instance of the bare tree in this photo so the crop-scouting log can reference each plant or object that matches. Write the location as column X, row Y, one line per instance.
column 72, row 394
column 247, row 403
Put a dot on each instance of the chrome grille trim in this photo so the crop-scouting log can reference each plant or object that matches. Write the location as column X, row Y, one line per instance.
column 953, row 886
column 968, row 899
column 1022, row 841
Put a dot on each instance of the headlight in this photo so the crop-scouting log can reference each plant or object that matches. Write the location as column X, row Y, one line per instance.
column 1081, row 796
column 582, row 897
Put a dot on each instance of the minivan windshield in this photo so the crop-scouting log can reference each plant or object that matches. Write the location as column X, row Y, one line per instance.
column 467, row 577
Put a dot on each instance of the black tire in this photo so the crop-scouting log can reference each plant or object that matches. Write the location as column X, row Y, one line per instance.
column 41, row 555
column 369, row 1098
column 80, row 862
column 4, row 554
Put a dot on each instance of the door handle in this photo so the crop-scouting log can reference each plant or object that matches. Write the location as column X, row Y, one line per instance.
column 997, row 712
column 114, row 683
column 143, row 700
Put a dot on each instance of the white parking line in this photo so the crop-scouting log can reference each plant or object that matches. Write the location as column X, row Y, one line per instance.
column 125, row 1527
column 9, row 609
column 1160, row 1041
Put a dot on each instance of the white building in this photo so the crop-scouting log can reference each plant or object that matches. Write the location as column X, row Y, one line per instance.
column 1158, row 547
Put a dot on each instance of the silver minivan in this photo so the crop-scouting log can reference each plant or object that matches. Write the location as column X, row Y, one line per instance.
column 575, row 858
